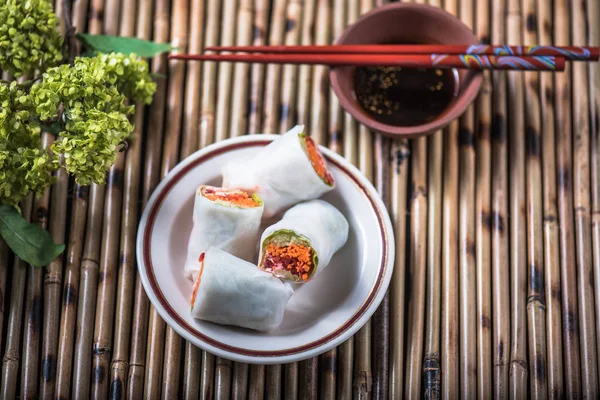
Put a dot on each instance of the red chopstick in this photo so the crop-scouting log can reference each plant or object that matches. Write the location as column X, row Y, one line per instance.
column 476, row 62
column 576, row 53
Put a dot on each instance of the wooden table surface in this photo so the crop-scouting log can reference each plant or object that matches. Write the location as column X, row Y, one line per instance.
column 496, row 288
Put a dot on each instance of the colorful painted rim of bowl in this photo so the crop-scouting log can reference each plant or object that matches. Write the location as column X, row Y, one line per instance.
column 150, row 283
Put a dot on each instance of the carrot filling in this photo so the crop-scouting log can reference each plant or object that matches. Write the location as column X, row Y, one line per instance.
column 317, row 161
column 231, row 196
column 295, row 258
column 197, row 283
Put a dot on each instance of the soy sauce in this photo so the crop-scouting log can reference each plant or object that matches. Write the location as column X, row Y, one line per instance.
column 404, row 96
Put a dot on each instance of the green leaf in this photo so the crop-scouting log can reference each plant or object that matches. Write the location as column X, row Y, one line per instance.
column 125, row 45
column 29, row 241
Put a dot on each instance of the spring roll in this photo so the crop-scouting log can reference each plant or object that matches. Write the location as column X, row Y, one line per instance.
column 303, row 242
column 225, row 218
column 231, row 291
column 287, row 171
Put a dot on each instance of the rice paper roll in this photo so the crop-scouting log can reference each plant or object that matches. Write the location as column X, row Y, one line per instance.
column 287, row 171
column 225, row 218
column 231, row 291
column 301, row 245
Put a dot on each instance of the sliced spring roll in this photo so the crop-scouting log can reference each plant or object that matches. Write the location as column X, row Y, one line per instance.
column 302, row 244
column 287, row 171
column 231, row 291
column 225, row 218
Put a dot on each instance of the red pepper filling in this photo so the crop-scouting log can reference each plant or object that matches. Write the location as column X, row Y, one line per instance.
column 236, row 197
column 317, row 161
column 197, row 283
column 294, row 258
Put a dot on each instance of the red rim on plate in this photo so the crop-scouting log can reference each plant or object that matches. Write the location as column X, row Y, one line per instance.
column 149, row 265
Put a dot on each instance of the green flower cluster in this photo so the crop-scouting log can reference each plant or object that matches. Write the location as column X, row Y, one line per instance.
column 29, row 38
column 92, row 95
column 24, row 166
column 89, row 103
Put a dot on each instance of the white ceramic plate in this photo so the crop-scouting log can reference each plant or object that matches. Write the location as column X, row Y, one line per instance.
column 322, row 313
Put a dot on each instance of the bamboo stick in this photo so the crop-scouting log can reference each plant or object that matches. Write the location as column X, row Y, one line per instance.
column 551, row 245
column 34, row 301
column 362, row 363
column 273, row 382
column 225, row 73
column 381, row 317
column 431, row 358
column 467, row 246
column 172, row 365
column 536, row 301
column 328, row 373
column 239, row 103
column 52, row 287
column 262, row 9
column 4, row 265
column 80, row 16
column 501, row 340
column 88, row 283
column 223, row 378
column 518, row 221
column 170, row 360
column 449, row 335
column 256, row 382
column 111, row 16
column 415, row 296
column 305, row 72
column 289, row 75
column 483, row 209
column 154, row 355
column 153, row 139
column 500, row 263
column 272, row 85
column 350, row 125
column 103, row 328
column 400, row 154
column 209, row 75
column 96, row 16
column 60, row 13
column 70, row 293
column 191, row 370
column 363, row 378
column 126, row 266
column 290, row 385
column 178, row 26
column 239, row 389
column 581, row 197
column 593, row 9
column 129, row 220
column 345, row 356
column 307, row 383
column 207, row 376
column 569, row 293
column 11, row 358
column 320, row 79
column 193, row 81
column 106, row 281
column 336, row 114
column 449, row 344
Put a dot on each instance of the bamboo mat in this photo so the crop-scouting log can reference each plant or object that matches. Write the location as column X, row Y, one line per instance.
column 496, row 289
